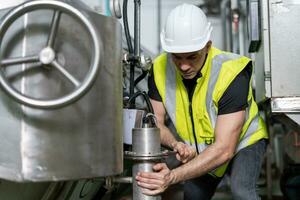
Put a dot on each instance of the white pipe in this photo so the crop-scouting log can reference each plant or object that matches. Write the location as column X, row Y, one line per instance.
column 241, row 37
column 234, row 4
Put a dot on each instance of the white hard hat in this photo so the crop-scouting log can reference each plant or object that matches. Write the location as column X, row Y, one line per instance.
column 186, row 30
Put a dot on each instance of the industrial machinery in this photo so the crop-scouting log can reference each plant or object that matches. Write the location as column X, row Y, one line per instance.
column 61, row 102
column 273, row 30
column 267, row 31
column 61, row 92
column 281, row 69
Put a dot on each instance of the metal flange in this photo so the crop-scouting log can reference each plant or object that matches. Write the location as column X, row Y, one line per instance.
column 146, row 157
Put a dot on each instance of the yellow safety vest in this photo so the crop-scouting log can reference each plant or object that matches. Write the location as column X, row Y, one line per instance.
column 219, row 70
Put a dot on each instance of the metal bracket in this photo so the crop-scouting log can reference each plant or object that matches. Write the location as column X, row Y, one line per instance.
column 285, row 105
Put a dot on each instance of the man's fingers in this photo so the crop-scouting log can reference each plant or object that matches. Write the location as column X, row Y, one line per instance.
column 187, row 153
column 154, row 182
column 184, row 161
column 178, row 157
column 143, row 179
column 148, row 185
column 159, row 166
column 179, row 150
column 151, row 192
column 150, row 175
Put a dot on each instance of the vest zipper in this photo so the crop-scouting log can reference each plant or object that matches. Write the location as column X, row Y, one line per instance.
column 192, row 119
column 190, row 95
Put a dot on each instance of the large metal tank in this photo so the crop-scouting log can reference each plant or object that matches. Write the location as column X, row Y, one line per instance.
column 61, row 92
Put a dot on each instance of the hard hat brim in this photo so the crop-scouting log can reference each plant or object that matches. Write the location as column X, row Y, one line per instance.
column 196, row 46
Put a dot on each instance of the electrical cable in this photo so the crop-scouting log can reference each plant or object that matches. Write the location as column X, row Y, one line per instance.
column 126, row 27
column 130, row 49
column 141, row 77
column 146, row 97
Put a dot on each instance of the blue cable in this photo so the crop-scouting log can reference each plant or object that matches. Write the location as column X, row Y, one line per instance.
column 107, row 9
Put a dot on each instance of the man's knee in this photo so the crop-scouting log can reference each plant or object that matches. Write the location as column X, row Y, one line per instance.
column 241, row 191
column 200, row 188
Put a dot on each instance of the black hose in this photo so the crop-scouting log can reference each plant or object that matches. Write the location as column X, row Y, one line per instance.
column 126, row 27
column 130, row 50
column 141, row 77
column 146, row 97
column 131, row 81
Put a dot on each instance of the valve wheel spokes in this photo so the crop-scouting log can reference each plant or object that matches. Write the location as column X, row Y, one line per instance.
column 47, row 56
column 54, row 27
column 20, row 60
column 69, row 76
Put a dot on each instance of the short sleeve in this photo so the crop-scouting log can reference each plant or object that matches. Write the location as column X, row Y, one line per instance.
column 235, row 97
column 152, row 89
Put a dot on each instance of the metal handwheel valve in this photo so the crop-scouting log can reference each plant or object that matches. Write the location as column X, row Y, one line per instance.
column 47, row 55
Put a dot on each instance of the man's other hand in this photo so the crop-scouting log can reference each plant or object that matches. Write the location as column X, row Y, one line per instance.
column 154, row 183
column 185, row 152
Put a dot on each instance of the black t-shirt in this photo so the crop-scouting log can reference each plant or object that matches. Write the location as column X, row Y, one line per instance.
column 233, row 100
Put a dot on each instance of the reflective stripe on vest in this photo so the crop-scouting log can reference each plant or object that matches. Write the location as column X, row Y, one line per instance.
column 170, row 92
column 217, row 62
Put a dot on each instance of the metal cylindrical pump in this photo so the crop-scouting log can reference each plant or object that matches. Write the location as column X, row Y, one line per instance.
column 146, row 140
column 147, row 152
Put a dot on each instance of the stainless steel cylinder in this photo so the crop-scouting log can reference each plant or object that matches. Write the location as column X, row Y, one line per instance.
column 145, row 141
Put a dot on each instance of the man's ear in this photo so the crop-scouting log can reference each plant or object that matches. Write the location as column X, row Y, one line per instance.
column 208, row 45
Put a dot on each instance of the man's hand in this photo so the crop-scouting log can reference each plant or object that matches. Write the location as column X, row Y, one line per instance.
column 185, row 152
column 156, row 182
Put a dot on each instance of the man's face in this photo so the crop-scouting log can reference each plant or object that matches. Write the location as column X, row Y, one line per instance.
column 189, row 64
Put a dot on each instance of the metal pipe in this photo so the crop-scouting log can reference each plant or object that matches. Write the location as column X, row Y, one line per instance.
column 235, row 30
column 234, row 4
column 235, row 17
column 226, row 31
column 241, row 36
column 230, row 36
column 158, row 25
column 137, row 27
column 122, row 179
column 145, row 141
column 137, row 46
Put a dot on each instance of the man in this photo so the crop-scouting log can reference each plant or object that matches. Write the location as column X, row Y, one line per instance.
column 208, row 97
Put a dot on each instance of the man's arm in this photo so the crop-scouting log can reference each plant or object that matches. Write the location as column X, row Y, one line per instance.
column 184, row 152
column 167, row 138
column 227, row 134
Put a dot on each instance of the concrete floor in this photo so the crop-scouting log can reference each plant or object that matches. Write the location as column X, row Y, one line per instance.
column 223, row 192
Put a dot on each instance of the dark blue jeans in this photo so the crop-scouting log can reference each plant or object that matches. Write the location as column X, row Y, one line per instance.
column 244, row 170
